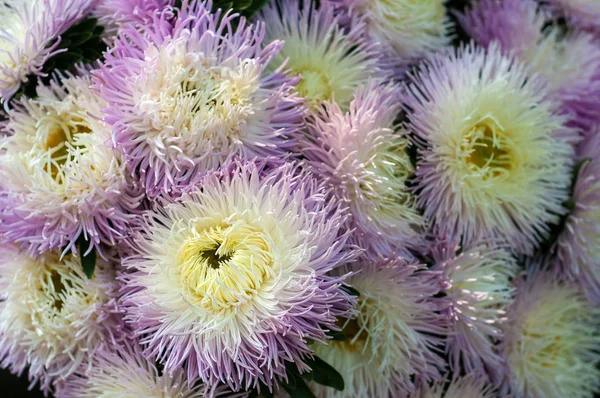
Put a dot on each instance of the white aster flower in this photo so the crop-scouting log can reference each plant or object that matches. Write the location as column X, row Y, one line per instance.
column 52, row 317
column 59, row 173
column 552, row 341
column 479, row 290
column 123, row 372
column 394, row 336
column 232, row 280
column 330, row 62
column 362, row 155
column 410, row 28
column 495, row 156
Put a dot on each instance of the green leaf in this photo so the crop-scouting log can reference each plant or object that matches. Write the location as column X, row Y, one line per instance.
column 296, row 387
column 86, row 25
column 79, row 39
column 336, row 336
column 256, row 6
column 243, row 4
column 350, row 290
column 98, row 30
column 65, row 61
column 88, row 262
column 246, row 8
column 325, row 374
column 264, row 392
column 577, row 169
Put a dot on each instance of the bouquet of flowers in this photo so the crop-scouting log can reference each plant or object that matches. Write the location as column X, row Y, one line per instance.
column 295, row 198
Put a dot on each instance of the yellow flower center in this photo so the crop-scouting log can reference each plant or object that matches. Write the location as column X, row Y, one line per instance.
column 224, row 266
column 55, row 135
column 549, row 353
column 314, row 86
column 487, row 148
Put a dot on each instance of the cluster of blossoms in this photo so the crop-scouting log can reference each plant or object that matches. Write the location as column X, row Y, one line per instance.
column 334, row 198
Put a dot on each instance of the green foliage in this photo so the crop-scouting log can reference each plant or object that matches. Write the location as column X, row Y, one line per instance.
column 336, row 336
column 350, row 290
column 88, row 262
column 246, row 8
column 324, row 374
column 296, row 386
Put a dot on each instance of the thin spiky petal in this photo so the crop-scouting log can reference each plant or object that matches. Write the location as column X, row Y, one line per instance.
column 123, row 372
column 578, row 246
column 479, row 289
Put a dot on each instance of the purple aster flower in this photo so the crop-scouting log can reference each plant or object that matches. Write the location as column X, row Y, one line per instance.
column 53, row 319
column 232, row 281
column 139, row 12
column 123, row 372
column 578, row 245
column 479, row 290
column 495, row 158
column 30, row 35
column 331, row 62
column 59, row 177
column 185, row 98
column 582, row 14
column 570, row 62
column 552, row 340
column 407, row 29
column 469, row 386
column 395, row 335
column 362, row 155
column 515, row 24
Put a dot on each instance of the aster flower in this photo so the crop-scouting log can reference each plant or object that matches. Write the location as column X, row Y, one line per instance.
column 578, row 245
column 30, row 35
column 362, row 155
column 330, row 61
column 479, row 290
column 552, row 342
column 582, row 14
column 515, row 24
column 116, row 12
column 53, row 319
column 232, row 281
column 570, row 62
column 470, row 386
column 495, row 158
column 123, row 372
column 59, row 177
column 185, row 98
column 409, row 29
column 394, row 336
